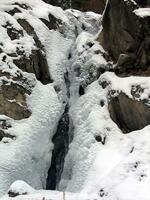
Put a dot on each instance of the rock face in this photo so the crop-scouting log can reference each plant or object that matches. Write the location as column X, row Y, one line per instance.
column 37, row 62
column 82, row 103
column 89, row 5
column 94, row 5
column 127, row 39
column 26, row 45
column 13, row 94
column 14, row 90
column 129, row 114
column 128, row 106
column 61, row 3
column 13, row 101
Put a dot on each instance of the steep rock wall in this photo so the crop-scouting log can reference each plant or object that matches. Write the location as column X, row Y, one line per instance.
column 126, row 37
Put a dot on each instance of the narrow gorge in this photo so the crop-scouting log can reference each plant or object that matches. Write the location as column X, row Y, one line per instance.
column 74, row 101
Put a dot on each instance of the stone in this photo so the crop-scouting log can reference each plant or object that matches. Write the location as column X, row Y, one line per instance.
column 3, row 134
column 5, row 124
column 127, row 36
column 128, row 114
column 22, row 5
column 37, row 62
column 13, row 11
column 119, row 36
column 53, row 22
column 81, row 90
column 12, row 32
column 13, row 101
column 97, row 6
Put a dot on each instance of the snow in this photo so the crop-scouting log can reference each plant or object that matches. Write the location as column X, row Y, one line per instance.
column 125, row 84
column 20, row 187
column 31, row 162
column 116, row 167
column 53, row 195
column 28, row 155
column 134, row 2
column 57, row 55
column 120, row 167
column 112, row 165
column 26, row 42
column 142, row 12
column 36, row 8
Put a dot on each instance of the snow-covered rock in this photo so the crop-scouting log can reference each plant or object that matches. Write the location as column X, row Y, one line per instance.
column 29, row 105
column 35, row 44
column 142, row 12
column 20, row 188
column 96, row 160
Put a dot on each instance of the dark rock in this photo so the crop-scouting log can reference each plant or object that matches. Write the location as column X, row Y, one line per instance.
column 15, row 194
column 94, row 72
column 53, row 22
column 98, row 138
column 119, row 36
column 13, row 11
column 69, row 56
column 61, row 3
column 12, row 32
column 100, row 70
column 37, row 62
column 13, row 101
column 93, row 5
column 132, row 149
column 4, row 124
column 26, row 26
column 3, row 134
column 88, row 5
column 104, row 83
column 81, row 90
column 126, row 60
column 47, row 1
column 77, row 69
column 22, row 5
column 137, row 91
column 143, row 3
column 129, row 36
column 128, row 114
column 102, row 193
column 102, row 103
column 67, row 82
column 90, row 44
column 12, row 194
column 4, row 58
column 57, row 88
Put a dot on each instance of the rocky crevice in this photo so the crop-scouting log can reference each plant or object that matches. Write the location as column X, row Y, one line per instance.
column 61, row 141
column 124, row 48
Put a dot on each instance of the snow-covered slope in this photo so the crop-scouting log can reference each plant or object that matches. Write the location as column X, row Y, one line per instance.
column 101, row 159
column 30, row 29
column 28, row 155
column 102, row 162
